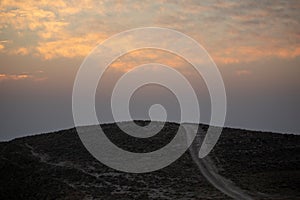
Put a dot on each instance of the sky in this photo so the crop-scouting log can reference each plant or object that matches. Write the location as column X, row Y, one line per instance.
column 255, row 45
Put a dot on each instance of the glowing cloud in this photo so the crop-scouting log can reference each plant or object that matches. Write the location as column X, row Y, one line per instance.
column 72, row 28
column 34, row 76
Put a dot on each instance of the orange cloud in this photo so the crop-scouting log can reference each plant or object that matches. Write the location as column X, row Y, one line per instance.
column 248, row 54
column 225, row 60
column 70, row 47
column 288, row 53
column 71, row 28
column 243, row 72
column 20, row 51
column 34, row 76
column 133, row 59
column 14, row 77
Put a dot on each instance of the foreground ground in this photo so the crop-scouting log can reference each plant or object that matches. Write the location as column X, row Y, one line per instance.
column 244, row 165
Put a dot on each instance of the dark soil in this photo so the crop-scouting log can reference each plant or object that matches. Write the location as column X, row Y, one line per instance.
column 243, row 164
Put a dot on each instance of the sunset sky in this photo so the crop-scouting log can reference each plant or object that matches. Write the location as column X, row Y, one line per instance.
column 255, row 44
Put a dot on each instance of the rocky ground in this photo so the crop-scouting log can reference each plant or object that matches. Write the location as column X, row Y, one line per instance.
column 243, row 165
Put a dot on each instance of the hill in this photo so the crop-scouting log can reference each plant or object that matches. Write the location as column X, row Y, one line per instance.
column 244, row 165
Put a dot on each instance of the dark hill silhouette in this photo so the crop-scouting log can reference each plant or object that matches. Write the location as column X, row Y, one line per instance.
column 244, row 164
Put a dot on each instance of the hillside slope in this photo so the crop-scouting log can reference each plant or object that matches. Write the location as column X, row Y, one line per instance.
column 244, row 164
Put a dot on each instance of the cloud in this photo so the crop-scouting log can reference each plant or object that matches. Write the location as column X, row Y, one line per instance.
column 244, row 54
column 70, row 47
column 4, row 77
column 2, row 44
column 139, row 57
column 231, row 31
column 20, row 51
column 34, row 76
column 243, row 72
column 1, row 47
